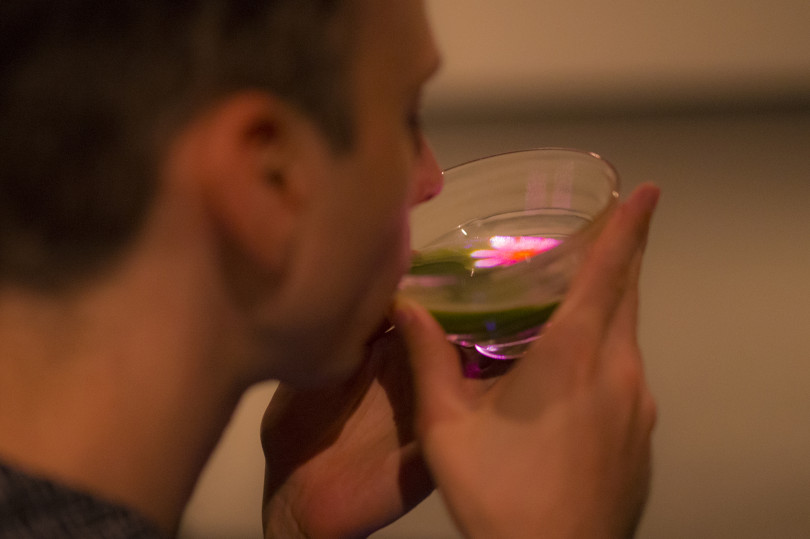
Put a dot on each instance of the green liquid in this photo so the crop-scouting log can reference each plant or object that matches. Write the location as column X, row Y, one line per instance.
column 494, row 324
column 481, row 324
column 442, row 262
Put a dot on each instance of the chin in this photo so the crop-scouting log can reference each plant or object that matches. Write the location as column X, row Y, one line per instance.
column 332, row 349
column 334, row 369
column 340, row 362
column 318, row 361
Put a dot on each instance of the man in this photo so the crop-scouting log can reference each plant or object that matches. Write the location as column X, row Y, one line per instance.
column 198, row 196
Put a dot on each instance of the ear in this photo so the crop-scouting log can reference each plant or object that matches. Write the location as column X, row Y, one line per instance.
column 252, row 185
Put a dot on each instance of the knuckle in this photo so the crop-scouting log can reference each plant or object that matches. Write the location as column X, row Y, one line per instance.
column 629, row 375
column 649, row 410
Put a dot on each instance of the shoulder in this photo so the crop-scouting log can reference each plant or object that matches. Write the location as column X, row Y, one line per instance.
column 34, row 507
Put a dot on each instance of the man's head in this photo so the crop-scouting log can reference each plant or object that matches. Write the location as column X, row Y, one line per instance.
column 92, row 91
column 280, row 141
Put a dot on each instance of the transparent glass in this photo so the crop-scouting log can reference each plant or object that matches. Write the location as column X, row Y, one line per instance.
column 495, row 252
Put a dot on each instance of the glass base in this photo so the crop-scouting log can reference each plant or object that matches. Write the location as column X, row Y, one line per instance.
column 494, row 357
column 505, row 351
column 511, row 347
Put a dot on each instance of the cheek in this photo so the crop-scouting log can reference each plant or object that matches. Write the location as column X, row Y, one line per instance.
column 390, row 254
column 399, row 220
column 384, row 179
column 390, row 247
column 388, row 207
column 405, row 243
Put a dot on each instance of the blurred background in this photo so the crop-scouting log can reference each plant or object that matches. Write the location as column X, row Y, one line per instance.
column 709, row 99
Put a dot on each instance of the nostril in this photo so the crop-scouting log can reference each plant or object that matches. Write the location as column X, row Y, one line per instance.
column 430, row 179
column 431, row 191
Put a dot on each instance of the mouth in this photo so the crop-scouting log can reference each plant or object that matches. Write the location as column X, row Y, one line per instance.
column 382, row 328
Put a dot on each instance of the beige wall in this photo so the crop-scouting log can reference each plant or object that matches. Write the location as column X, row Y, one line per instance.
column 726, row 294
column 582, row 53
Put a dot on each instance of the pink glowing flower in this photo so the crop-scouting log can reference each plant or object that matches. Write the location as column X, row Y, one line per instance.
column 508, row 250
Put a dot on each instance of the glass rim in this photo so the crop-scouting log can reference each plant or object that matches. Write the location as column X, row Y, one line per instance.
column 571, row 243
column 613, row 173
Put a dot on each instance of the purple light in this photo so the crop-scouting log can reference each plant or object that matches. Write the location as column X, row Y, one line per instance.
column 508, row 250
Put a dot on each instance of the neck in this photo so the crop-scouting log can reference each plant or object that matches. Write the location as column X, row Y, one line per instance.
column 121, row 391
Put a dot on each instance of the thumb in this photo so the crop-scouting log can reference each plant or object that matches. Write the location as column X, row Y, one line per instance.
column 435, row 362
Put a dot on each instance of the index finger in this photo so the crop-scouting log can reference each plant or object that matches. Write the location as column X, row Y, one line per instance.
column 598, row 288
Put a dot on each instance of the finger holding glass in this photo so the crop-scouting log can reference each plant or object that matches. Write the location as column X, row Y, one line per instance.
column 560, row 444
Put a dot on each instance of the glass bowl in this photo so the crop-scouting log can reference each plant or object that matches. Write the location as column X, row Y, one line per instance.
column 495, row 252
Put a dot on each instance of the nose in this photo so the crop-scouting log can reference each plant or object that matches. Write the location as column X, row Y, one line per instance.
column 429, row 180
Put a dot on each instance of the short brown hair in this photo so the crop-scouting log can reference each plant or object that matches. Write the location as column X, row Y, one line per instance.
column 92, row 90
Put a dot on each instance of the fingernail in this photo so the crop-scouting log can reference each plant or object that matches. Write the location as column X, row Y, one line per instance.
column 651, row 196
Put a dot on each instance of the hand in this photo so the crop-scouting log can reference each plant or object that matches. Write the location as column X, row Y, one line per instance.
column 559, row 446
column 342, row 461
